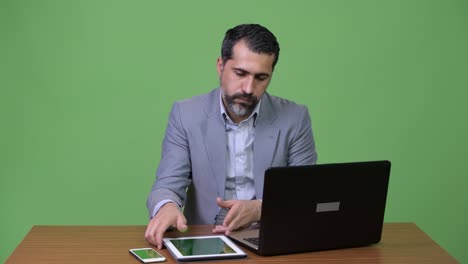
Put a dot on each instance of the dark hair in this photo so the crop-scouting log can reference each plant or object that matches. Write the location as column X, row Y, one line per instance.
column 258, row 38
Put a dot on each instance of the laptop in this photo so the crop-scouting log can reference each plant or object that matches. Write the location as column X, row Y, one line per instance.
column 319, row 207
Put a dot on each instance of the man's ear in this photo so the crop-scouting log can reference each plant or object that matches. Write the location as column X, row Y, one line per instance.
column 219, row 66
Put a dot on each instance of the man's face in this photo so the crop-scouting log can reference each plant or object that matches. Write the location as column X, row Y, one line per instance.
column 243, row 80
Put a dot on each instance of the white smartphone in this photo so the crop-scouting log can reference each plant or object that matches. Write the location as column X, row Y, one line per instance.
column 147, row 255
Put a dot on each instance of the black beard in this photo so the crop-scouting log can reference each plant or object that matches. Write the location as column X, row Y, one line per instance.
column 241, row 109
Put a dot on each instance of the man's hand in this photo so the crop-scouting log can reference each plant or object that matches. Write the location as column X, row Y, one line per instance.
column 241, row 214
column 168, row 215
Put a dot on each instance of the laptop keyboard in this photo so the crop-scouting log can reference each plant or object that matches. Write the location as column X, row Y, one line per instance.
column 253, row 240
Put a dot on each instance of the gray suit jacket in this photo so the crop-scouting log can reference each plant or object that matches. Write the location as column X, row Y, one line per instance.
column 193, row 166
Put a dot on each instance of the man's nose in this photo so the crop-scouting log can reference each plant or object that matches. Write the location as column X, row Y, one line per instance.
column 249, row 86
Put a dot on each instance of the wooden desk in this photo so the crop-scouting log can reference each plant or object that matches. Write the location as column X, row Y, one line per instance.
column 401, row 243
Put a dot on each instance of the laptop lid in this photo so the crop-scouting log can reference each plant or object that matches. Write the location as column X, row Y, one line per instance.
column 319, row 207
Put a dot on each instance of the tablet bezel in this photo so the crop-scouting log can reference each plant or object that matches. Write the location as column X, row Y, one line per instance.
column 238, row 253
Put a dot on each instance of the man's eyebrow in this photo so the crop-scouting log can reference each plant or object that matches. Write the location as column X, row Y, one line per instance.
column 261, row 74
column 240, row 69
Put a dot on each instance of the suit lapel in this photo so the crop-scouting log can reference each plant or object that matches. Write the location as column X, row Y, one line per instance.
column 266, row 136
column 214, row 133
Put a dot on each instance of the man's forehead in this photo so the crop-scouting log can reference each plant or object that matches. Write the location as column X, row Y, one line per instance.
column 248, row 60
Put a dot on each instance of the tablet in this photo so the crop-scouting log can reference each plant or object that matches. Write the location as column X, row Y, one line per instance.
column 203, row 248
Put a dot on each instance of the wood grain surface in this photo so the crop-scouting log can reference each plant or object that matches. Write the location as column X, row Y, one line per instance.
column 401, row 243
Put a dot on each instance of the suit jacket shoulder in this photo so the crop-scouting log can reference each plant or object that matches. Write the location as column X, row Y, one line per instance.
column 275, row 108
column 196, row 109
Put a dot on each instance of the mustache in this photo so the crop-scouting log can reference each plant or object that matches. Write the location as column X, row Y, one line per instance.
column 249, row 97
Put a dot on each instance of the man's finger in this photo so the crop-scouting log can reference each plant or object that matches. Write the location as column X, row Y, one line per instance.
column 219, row 229
column 158, row 238
column 147, row 233
column 230, row 216
column 232, row 226
column 182, row 224
column 224, row 203
column 150, row 233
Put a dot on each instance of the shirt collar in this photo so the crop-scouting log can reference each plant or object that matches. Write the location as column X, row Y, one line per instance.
column 226, row 117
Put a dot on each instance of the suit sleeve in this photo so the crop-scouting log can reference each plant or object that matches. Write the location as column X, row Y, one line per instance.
column 302, row 148
column 174, row 172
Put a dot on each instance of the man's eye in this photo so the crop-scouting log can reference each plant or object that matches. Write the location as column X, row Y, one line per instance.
column 261, row 78
column 239, row 73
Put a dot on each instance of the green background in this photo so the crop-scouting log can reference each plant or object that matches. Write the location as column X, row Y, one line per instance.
column 86, row 88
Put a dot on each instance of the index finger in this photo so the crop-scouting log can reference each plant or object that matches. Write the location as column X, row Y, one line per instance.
column 230, row 217
column 158, row 238
column 155, row 233
column 150, row 232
